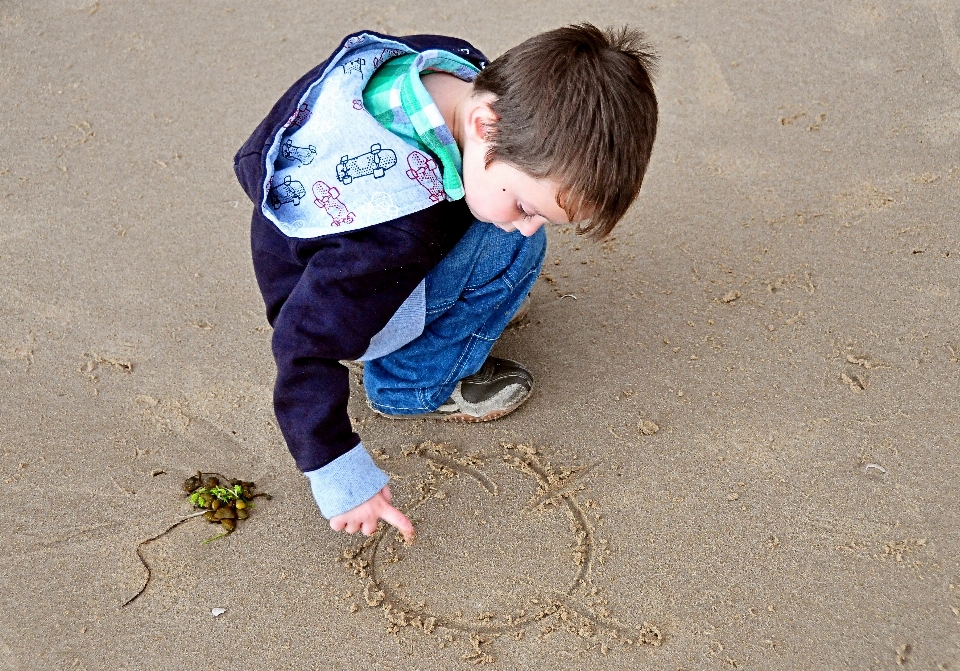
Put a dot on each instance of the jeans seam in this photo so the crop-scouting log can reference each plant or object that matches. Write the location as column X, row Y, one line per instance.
column 384, row 407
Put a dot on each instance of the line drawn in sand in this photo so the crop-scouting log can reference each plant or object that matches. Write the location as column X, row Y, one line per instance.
column 565, row 607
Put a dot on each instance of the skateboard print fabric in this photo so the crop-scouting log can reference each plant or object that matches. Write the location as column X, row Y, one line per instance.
column 333, row 167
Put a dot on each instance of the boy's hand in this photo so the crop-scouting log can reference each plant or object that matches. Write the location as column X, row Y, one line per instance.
column 367, row 515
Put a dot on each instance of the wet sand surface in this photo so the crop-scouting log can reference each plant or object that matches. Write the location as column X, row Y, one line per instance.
column 781, row 303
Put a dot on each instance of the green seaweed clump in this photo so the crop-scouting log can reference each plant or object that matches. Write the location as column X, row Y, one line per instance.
column 227, row 501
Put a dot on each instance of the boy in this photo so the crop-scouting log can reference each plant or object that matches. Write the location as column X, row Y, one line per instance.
column 373, row 180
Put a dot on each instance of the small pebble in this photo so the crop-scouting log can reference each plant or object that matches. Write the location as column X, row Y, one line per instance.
column 648, row 428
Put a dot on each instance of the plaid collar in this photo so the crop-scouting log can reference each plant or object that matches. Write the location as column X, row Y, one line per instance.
column 396, row 97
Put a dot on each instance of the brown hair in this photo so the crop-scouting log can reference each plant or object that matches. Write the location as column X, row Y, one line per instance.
column 577, row 105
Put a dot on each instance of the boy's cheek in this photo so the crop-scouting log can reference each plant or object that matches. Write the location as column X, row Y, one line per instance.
column 477, row 208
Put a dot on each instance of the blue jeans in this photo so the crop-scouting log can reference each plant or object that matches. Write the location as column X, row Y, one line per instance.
column 471, row 296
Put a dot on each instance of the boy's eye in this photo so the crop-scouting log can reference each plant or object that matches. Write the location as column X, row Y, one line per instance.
column 526, row 215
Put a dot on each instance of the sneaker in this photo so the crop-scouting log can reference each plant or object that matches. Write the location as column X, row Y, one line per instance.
column 497, row 389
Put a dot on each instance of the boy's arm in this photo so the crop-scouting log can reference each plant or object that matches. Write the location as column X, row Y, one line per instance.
column 326, row 311
column 351, row 491
column 343, row 297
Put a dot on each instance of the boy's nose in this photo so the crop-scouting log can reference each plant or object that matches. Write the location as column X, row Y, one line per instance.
column 527, row 227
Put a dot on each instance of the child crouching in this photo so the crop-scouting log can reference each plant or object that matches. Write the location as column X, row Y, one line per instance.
column 400, row 189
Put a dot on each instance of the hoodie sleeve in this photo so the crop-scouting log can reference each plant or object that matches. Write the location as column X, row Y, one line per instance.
column 348, row 290
column 346, row 482
column 326, row 298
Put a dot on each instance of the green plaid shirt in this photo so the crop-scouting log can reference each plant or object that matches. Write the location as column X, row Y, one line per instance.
column 396, row 98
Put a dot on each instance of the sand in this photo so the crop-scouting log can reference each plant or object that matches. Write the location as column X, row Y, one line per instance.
column 741, row 452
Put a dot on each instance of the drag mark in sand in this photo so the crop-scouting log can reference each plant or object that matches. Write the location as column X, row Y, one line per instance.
column 945, row 12
column 712, row 87
column 560, row 607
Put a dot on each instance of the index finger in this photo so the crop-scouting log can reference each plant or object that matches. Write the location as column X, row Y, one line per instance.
column 391, row 515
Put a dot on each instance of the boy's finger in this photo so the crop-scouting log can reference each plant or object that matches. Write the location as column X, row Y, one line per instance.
column 393, row 516
column 386, row 493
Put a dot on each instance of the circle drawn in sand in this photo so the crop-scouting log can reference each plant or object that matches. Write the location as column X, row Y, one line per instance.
column 564, row 599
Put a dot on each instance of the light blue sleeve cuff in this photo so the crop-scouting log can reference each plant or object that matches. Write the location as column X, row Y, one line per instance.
column 346, row 482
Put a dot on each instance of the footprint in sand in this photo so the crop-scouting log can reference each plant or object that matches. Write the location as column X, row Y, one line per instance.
column 854, row 374
column 942, row 125
column 946, row 13
column 860, row 17
column 711, row 87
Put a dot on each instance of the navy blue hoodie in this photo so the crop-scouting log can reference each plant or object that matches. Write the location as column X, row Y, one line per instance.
column 327, row 297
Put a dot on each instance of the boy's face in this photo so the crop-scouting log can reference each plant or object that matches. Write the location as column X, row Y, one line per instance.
column 509, row 198
column 501, row 194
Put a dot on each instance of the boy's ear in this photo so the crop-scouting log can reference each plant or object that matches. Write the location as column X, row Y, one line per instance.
column 480, row 118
